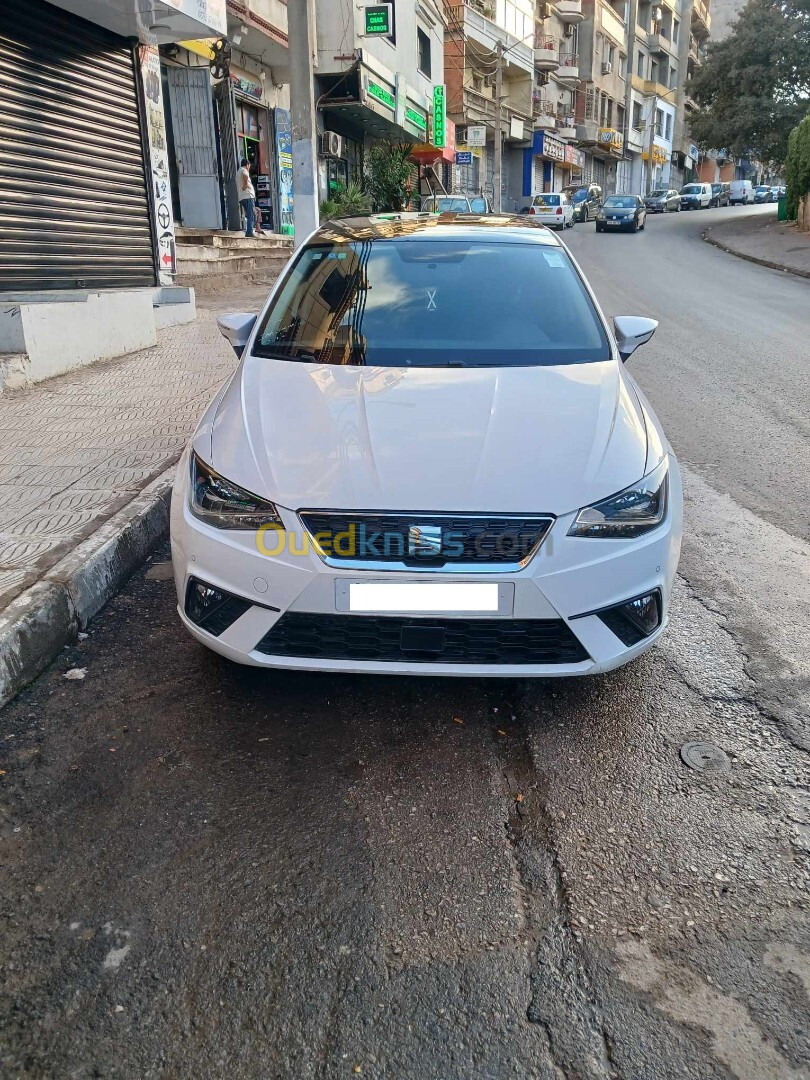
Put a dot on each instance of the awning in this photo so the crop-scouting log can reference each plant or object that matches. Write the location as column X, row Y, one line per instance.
column 160, row 22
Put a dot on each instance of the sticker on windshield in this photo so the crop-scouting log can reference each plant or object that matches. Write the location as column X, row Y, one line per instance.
column 554, row 258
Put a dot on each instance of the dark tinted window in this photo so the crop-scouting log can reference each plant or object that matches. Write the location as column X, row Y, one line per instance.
column 433, row 304
column 624, row 201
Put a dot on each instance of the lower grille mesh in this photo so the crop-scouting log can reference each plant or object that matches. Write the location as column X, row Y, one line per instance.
column 463, row 641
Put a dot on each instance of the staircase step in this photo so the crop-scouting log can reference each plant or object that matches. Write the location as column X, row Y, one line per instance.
column 230, row 264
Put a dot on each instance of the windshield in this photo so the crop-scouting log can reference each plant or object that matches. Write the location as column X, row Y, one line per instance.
column 762, row 190
column 658, row 194
column 447, row 205
column 580, row 196
column 428, row 303
column 626, row 201
column 692, row 189
column 716, row 188
column 546, row 200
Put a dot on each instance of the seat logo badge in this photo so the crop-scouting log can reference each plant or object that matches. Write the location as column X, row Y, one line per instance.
column 425, row 540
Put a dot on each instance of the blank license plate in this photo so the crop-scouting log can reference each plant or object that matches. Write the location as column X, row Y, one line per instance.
column 426, row 598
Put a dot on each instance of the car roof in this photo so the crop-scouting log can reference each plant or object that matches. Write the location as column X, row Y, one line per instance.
column 414, row 225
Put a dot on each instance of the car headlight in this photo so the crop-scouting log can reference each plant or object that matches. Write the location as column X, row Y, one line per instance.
column 218, row 502
column 635, row 511
column 600, row 216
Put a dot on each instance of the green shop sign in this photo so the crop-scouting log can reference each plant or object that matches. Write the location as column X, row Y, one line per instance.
column 382, row 95
column 418, row 120
column 378, row 19
column 438, row 117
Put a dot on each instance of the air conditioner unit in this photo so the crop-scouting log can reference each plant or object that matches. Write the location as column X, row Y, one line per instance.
column 489, row 80
column 607, row 68
column 477, row 83
column 331, row 144
column 543, row 11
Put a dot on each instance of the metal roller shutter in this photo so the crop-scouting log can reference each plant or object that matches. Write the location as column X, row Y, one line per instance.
column 74, row 207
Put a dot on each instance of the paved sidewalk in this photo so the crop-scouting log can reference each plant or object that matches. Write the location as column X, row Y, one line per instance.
column 762, row 239
column 77, row 448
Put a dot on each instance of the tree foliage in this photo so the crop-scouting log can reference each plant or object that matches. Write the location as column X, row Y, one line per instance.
column 797, row 168
column 754, row 87
column 387, row 176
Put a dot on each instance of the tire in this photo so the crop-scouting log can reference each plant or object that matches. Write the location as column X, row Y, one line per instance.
column 644, row 226
column 635, row 226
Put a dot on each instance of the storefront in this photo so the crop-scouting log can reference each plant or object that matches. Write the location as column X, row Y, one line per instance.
column 77, row 202
column 547, row 164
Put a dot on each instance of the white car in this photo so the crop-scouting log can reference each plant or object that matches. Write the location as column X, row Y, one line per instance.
column 429, row 460
column 554, row 209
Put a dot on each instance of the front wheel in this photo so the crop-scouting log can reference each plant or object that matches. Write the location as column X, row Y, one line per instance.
column 635, row 226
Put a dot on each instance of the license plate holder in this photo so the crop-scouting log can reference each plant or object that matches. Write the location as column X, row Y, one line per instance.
column 457, row 598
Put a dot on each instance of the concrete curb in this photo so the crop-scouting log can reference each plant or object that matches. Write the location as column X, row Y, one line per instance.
column 753, row 258
column 37, row 625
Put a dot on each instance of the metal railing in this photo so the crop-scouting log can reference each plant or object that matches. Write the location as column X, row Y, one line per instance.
column 568, row 59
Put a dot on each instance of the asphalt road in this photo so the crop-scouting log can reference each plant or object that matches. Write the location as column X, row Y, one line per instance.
column 213, row 872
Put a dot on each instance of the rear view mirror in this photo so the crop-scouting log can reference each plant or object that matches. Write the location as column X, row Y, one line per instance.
column 632, row 331
column 237, row 329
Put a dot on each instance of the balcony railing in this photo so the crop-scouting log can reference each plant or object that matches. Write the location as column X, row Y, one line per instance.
column 483, row 7
column 542, row 106
column 568, row 65
column 546, row 53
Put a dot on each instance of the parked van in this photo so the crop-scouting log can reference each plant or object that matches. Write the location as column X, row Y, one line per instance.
column 742, row 191
column 696, row 196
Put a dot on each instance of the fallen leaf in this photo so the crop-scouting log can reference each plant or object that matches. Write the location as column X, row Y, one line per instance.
column 457, row 720
column 75, row 673
column 501, row 731
column 112, row 749
column 518, row 797
column 358, row 1068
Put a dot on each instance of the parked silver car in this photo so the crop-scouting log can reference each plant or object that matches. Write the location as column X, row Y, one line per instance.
column 662, row 201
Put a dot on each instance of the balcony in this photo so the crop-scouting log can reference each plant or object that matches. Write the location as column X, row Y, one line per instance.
column 569, row 11
column 543, row 112
column 697, row 53
column 567, row 68
column 546, row 54
column 480, row 26
column 659, row 43
column 701, row 20
column 588, row 132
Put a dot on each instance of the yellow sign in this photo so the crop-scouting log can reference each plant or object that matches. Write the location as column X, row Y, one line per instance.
column 201, row 47
column 660, row 155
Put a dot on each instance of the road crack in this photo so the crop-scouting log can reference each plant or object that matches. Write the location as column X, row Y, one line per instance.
column 562, row 1000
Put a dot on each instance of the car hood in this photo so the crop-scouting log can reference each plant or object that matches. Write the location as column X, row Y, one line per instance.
column 622, row 211
column 525, row 439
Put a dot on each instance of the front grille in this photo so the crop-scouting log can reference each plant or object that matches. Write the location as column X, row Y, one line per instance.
column 443, row 539
column 431, row 640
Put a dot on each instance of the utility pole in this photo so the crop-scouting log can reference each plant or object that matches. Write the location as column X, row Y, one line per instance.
column 651, row 143
column 301, row 30
column 496, row 171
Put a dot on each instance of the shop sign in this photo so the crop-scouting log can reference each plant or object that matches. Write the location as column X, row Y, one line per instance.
column 378, row 19
column 551, row 147
column 159, row 162
column 693, row 152
column 246, row 86
column 611, row 139
column 416, row 119
column 285, row 169
column 515, row 128
column 210, row 13
column 574, row 157
column 379, row 93
column 477, row 135
column 439, row 135
column 463, row 157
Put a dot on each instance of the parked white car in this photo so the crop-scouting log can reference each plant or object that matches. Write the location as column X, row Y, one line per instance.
column 554, row 209
column 431, row 459
column 696, row 196
column 741, row 193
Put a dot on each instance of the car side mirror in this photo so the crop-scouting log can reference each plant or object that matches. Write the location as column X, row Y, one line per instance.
column 237, row 329
column 632, row 331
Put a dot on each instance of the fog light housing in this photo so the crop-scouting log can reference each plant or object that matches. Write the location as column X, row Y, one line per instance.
column 633, row 620
column 212, row 609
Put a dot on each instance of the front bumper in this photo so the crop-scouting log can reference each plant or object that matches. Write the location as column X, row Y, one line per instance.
column 566, row 578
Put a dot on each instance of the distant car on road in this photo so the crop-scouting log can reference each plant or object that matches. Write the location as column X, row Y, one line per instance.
column 622, row 212
column 720, row 195
column 456, row 204
column 368, row 493
column 553, row 209
column 763, row 194
column 777, row 192
column 662, row 201
column 585, row 200
column 741, row 192
column 696, row 196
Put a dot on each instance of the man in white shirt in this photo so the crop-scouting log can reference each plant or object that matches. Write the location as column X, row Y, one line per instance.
column 247, row 196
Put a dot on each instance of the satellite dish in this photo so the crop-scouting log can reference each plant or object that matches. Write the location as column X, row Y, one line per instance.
column 220, row 61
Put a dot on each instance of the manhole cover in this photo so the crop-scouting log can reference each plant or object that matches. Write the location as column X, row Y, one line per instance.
column 705, row 757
